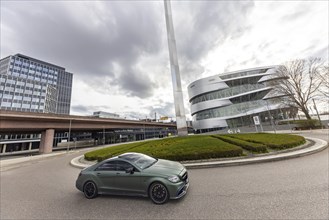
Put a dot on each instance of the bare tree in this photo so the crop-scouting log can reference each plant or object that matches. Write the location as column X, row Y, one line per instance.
column 324, row 76
column 302, row 82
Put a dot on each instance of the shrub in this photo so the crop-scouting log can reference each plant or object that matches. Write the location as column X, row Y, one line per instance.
column 251, row 146
column 201, row 146
column 178, row 148
column 274, row 141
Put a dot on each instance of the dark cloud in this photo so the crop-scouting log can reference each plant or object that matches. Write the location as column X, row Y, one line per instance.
column 212, row 23
column 90, row 41
column 85, row 42
column 139, row 84
column 103, row 42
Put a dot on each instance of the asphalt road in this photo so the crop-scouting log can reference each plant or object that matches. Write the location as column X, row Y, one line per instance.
column 289, row 189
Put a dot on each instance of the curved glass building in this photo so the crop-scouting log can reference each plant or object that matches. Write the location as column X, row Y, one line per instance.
column 232, row 99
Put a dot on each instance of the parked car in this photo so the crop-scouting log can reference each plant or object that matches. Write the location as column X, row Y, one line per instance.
column 135, row 174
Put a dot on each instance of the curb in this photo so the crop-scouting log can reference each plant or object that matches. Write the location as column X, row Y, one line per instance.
column 319, row 145
column 75, row 162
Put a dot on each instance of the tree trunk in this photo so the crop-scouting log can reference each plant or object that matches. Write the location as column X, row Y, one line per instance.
column 307, row 115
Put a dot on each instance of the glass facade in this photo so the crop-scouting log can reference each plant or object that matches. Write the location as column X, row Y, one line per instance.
column 244, row 94
column 243, row 73
column 227, row 92
column 266, row 117
column 243, row 107
column 28, row 84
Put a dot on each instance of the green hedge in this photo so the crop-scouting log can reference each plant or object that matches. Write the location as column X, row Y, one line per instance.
column 177, row 148
column 250, row 146
column 274, row 141
column 197, row 147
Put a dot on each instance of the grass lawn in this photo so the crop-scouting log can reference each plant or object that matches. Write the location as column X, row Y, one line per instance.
column 196, row 147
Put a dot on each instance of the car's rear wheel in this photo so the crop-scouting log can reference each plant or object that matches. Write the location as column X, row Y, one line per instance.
column 158, row 193
column 90, row 190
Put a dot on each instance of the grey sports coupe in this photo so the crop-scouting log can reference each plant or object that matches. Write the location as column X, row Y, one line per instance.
column 135, row 174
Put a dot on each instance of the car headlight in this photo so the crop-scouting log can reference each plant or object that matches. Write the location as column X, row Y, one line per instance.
column 174, row 179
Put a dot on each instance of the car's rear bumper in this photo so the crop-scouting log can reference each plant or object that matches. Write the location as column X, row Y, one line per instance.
column 79, row 185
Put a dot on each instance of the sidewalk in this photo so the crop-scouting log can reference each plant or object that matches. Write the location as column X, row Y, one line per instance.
column 15, row 162
column 318, row 146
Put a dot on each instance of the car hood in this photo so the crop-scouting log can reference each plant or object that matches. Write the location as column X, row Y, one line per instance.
column 166, row 167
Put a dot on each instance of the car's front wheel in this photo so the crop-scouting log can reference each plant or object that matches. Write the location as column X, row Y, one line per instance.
column 90, row 190
column 158, row 193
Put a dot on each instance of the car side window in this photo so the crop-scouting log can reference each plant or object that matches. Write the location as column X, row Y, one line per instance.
column 108, row 166
column 123, row 166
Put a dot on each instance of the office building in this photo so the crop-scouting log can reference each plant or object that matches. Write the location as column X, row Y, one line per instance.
column 28, row 84
column 31, row 85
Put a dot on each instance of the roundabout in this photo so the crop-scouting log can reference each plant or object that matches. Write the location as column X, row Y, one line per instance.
column 288, row 189
column 312, row 145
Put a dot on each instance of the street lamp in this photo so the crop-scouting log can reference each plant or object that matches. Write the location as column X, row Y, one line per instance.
column 144, row 131
column 103, row 135
column 68, row 145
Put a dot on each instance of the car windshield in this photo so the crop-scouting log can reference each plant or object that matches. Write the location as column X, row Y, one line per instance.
column 140, row 160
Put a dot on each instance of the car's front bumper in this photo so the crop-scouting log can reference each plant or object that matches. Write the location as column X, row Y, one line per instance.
column 178, row 190
column 182, row 191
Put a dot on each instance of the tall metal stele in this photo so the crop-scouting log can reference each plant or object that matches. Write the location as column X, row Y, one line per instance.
column 177, row 85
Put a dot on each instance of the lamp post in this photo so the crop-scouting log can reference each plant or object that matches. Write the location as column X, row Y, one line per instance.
column 103, row 135
column 144, row 131
column 68, row 145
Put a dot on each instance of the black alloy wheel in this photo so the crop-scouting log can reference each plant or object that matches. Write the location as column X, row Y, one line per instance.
column 90, row 190
column 158, row 193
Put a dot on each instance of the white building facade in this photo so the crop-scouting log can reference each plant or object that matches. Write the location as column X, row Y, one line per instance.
column 230, row 100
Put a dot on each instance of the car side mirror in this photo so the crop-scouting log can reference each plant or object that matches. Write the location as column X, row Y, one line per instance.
column 130, row 170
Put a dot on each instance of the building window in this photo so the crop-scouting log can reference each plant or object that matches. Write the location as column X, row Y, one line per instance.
column 17, row 105
column 7, row 96
column 6, row 104
column 27, row 106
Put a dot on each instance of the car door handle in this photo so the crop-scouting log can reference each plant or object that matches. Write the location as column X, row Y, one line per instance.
column 118, row 173
column 98, row 174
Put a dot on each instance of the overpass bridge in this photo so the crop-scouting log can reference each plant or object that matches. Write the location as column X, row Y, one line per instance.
column 47, row 124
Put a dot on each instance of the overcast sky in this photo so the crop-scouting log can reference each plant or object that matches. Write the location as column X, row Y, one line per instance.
column 118, row 50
